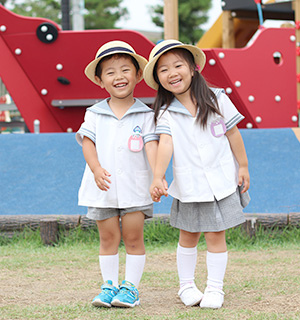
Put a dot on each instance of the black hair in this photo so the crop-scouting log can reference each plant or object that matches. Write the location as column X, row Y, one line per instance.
column 98, row 69
column 204, row 98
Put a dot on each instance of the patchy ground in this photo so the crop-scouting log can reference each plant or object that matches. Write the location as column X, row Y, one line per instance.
column 256, row 283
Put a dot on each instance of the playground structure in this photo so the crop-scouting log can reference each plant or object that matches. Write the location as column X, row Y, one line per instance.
column 42, row 68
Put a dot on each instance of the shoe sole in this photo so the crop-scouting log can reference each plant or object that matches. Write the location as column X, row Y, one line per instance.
column 99, row 303
column 118, row 303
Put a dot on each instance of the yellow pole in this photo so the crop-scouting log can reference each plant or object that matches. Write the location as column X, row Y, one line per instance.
column 171, row 19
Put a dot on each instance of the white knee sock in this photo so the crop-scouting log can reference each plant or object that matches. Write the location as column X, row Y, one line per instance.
column 134, row 268
column 216, row 267
column 109, row 266
column 186, row 264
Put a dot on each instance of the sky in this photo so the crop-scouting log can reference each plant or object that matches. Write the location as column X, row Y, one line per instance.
column 140, row 19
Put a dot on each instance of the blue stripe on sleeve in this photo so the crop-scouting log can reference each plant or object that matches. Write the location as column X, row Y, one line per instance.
column 163, row 130
column 150, row 137
column 234, row 121
column 89, row 134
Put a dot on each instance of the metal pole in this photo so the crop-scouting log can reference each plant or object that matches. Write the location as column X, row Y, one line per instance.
column 65, row 10
column 77, row 16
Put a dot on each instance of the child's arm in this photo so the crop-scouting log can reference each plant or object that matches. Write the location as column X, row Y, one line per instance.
column 91, row 158
column 238, row 149
column 151, row 151
column 164, row 155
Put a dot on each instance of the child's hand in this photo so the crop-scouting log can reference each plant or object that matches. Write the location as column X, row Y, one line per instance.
column 101, row 178
column 158, row 188
column 244, row 178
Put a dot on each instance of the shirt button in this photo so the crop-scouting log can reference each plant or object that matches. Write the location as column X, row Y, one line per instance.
column 120, row 148
column 201, row 145
column 120, row 125
column 119, row 171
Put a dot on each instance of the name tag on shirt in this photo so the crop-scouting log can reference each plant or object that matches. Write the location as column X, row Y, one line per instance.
column 218, row 128
column 135, row 142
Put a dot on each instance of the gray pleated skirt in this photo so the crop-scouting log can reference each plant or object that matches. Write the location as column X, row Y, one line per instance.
column 211, row 216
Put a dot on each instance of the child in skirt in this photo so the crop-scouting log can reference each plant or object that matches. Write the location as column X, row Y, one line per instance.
column 197, row 125
column 119, row 145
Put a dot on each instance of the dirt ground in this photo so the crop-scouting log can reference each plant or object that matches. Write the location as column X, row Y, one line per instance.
column 257, row 282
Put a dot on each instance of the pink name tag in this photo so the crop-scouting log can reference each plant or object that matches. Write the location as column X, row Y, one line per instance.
column 218, row 128
column 135, row 142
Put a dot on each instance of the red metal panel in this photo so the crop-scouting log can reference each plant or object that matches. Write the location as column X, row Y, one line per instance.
column 24, row 94
column 35, row 71
column 260, row 77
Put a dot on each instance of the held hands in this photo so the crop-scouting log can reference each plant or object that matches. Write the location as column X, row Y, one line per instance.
column 244, row 178
column 101, row 178
column 158, row 188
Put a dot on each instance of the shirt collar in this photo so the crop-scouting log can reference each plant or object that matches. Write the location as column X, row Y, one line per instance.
column 103, row 107
column 177, row 106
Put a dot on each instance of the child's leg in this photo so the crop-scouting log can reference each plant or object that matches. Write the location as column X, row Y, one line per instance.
column 133, row 237
column 186, row 264
column 216, row 261
column 110, row 237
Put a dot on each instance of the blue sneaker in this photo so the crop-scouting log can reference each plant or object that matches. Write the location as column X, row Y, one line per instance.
column 104, row 298
column 128, row 296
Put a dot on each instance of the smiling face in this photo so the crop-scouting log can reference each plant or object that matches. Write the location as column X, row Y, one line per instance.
column 174, row 73
column 119, row 76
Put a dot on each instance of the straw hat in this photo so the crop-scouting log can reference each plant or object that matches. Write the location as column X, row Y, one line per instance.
column 111, row 48
column 162, row 48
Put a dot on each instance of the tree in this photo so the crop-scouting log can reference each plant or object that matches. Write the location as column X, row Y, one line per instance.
column 191, row 15
column 98, row 14
column 49, row 9
column 103, row 14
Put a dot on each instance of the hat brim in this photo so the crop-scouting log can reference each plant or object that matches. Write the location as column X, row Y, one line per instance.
column 197, row 53
column 91, row 67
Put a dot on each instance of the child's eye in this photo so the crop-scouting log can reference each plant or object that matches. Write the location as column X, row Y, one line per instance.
column 126, row 70
column 163, row 70
column 110, row 73
column 178, row 65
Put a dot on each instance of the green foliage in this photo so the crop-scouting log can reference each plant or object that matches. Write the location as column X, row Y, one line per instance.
column 49, row 9
column 98, row 14
column 191, row 15
column 103, row 14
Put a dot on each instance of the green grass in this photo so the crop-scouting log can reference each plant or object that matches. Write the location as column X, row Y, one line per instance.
column 158, row 233
column 257, row 272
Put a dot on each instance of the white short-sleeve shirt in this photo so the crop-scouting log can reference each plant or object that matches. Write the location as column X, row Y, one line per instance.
column 204, row 166
column 131, row 175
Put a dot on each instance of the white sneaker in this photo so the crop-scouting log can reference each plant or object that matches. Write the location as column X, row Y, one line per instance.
column 213, row 298
column 190, row 295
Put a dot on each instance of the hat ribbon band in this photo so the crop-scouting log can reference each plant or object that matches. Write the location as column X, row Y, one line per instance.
column 114, row 49
column 166, row 47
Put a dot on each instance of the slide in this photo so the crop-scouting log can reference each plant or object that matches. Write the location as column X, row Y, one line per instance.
column 243, row 32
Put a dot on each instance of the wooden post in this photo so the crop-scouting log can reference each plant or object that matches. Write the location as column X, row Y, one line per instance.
column 171, row 19
column 250, row 227
column 228, row 40
column 49, row 231
column 296, row 6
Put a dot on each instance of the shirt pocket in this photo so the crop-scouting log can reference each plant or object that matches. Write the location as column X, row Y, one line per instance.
column 183, row 180
column 142, row 180
column 228, row 168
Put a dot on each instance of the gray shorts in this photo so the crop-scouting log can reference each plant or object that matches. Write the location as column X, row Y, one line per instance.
column 212, row 216
column 106, row 213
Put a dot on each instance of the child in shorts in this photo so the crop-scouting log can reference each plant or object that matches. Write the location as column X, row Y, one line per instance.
column 119, row 145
